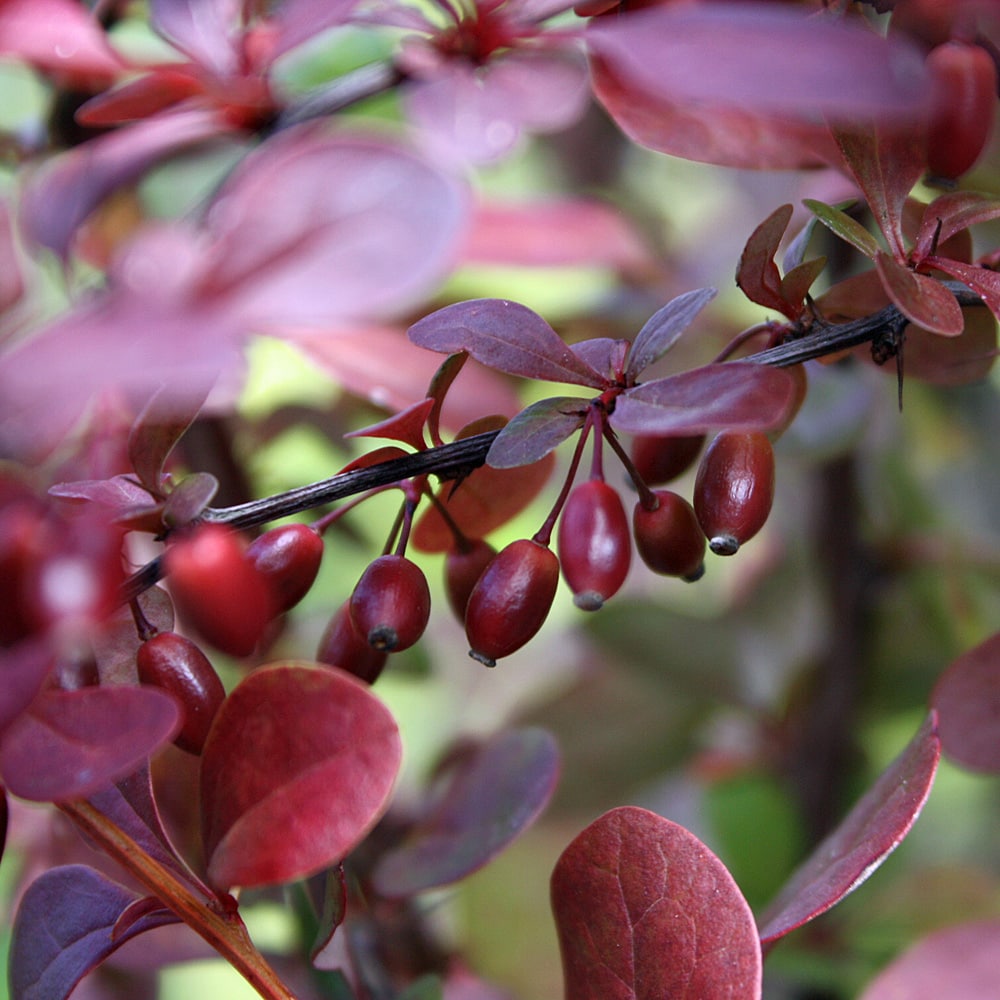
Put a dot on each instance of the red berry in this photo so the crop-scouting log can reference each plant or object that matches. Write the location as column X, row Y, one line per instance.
column 342, row 646
column 669, row 539
column 462, row 569
column 734, row 489
column 224, row 597
column 511, row 600
column 391, row 604
column 961, row 119
column 289, row 556
column 658, row 458
column 595, row 545
column 177, row 665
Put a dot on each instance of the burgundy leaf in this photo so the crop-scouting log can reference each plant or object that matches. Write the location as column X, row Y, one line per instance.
column 24, row 667
column 967, row 700
column 58, row 199
column 490, row 798
column 189, row 498
column 985, row 283
column 507, row 336
column 661, row 330
column 437, row 391
column 64, row 927
column 644, row 910
column 757, row 274
column 334, row 903
column 954, row 360
column 536, row 431
column 137, row 910
column 314, row 228
column 950, row 214
column 119, row 495
column 4, row 820
column 959, row 963
column 141, row 97
column 603, row 354
column 298, row 767
column 406, row 426
column 736, row 395
column 205, row 30
column 70, row 744
column 921, row 299
column 118, row 641
column 797, row 282
column 869, row 833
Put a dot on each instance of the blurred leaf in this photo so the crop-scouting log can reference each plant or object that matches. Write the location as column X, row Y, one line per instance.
column 24, row 665
column 189, row 498
column 154, row 434
column 333, row 912
column 661, row 330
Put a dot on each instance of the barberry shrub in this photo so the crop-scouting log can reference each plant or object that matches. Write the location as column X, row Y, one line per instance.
column 238, row 241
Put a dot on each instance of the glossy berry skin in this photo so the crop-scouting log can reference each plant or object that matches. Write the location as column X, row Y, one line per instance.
column 225, row 598
column 289, row 556
column 462, row 569
column 659, row 458
column 175, row 664
column 511, row 600
column 734, row 489
column 342, row 646
column 595, row 543
column 391, row 604
column 965, row 94
column 669, row 539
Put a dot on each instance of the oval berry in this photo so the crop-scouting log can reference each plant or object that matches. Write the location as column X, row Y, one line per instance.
column 463, row 566
column 511, row 600
column 734, row 489
column 659, row 458
column 222, row 595
column 342, row 646
column 289, row 556
column 669, row 538
column 595, row 544
column 175, row 664
column 961, row 119
column 391, row 604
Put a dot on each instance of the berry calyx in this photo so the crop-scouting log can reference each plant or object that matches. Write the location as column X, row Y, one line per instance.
column 391, row 604
column 342, row 646
column 463, row 566
column 734, row 489
column 669, row 538
column 175, row 664
column 289, row 556
column 595, row 544
column 659, row 458
column 511, row 600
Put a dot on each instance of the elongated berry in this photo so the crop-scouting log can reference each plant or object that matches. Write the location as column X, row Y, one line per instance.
column 659, row 458
column 668, row 538
column 218, row 591
column 463, row 566
column 595, row 543
column 175, row 664
column 342, row 646
column 289, row 556
column 961, row 120
column 391, row 604
column 511, row 600
column 734, row 489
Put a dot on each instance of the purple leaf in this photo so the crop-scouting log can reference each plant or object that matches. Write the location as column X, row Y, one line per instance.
column 11, row 269
column 65, row 926
column 70, row 744
column 534, row 432
column 869, row 833
column 189, row 498
column 297, row 21
column 959, row 963
column 757, row 274
column 116, row 645
column 735, row 395
column 662, row 329
column 119, row 495
column 205, row 30
column 24, row 667
column 967, row 700
column 985, row 283
column 644, row 909
column 490, row 798
column 507, row 336
column 952, row 212
column 603, row 355
column 920, row 298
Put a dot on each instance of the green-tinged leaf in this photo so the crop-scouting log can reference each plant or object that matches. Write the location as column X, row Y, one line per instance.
column 844, row 226
column 536, row 431
column 921, row 299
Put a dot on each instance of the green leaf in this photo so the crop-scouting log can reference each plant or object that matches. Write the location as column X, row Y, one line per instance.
column 844, row 226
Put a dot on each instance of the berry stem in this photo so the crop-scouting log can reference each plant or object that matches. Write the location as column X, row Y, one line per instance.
column 646, row 496
column 544, row 534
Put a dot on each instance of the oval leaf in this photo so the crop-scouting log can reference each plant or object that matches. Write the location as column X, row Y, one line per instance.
column 735, row 395
column 662, row 329
column 848, row 229
column 493, row 795
column 869, row 833
column 536, row 431
column 757, row 274
column 644, row 910
column 921, row 299
column 507, row 336
column 297, row 768
column 967, row 699
column 71, row 744
column 984, row 282
column 950, row 214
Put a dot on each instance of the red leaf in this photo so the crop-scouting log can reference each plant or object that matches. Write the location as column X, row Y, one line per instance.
column 985, row 283
column 298, row 767
column 406, row 426
column 24, row 667
column 959, row 963
column 506, row 336
column 491, row 798
column 71, row 744
column 967, row 700
column 660, row 332
column 757, row 273
column 953, row 360
column 736, row 395
column 953, row 213
column 140, row 98
column 921, row 299
column 536, row 431
column 644, row 910
column 869, row 833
